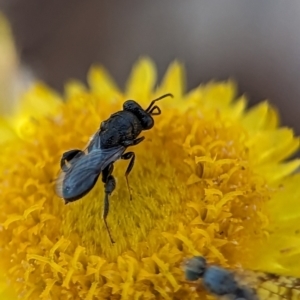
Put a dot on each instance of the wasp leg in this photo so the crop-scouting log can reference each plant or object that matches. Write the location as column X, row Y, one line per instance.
column 109, row 185
column 133, row 142
column 106, row 172
column 137, row 141
column 152, row 111
column 65, row 161
column 131, row 156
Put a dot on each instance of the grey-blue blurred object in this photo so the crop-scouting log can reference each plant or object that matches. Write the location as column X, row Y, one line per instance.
column 217, row 280
column 255, row 42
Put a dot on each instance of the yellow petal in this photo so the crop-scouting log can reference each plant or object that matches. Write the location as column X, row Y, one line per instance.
column 37, row 102
column 283, row 208
column 141, row 80
column 8, row 65
column 275, row 172
column 102, row 84
column 173, row 81
column 8, row 51
column 217, row 96
column 7, row 294
column 273, row 118
column 237, row 108
column 74, row 88
column 6, row 291
column 6, row 131
column 281, row 252
column 220, row 94
column 261, row 116
column 273, row 146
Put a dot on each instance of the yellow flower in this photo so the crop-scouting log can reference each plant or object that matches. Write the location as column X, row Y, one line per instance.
column 211, row 178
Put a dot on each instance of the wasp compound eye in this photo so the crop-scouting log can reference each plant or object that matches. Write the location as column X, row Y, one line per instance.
column 147, row 121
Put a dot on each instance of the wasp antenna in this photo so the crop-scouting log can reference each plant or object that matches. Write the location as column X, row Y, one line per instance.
column 164, row 96
column 157, row 99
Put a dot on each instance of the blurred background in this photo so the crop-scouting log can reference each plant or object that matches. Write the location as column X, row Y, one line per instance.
column 255, row 42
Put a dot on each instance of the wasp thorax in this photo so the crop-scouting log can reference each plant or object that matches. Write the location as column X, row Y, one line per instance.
column 145, row 118
column 103, row 125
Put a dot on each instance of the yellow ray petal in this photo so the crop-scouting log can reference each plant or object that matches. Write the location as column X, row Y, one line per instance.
column 282, row 207
column 7, row 294
column 141, row 80
column 192, row 98
column 8, row 65
column 217, row 96
column 261, row 116
column 273, row 118
column 273, row 146
column 237, row 108
column 39, row 101
column 6, row 131
column 74, row 88
column 275, row 172
column 102, row 84
column 220, row 94
column 6, row 291
column 173, row 81
column 281, row 252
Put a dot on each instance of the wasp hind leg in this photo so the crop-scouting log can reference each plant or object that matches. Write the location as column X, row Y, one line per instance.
column 109, row 185
column 65, row 161
column 131, row 156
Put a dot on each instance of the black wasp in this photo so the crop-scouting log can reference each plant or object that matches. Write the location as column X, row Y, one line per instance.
column 81, row 169
column 217, row 280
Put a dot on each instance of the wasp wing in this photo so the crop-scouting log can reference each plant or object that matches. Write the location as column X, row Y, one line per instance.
column 71, row 156
column 81, row 177
column 94, row 142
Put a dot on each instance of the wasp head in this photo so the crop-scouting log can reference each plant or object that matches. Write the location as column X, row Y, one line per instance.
column 145, row 115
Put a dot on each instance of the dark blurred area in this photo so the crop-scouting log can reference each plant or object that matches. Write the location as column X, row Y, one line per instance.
column 255, row 42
